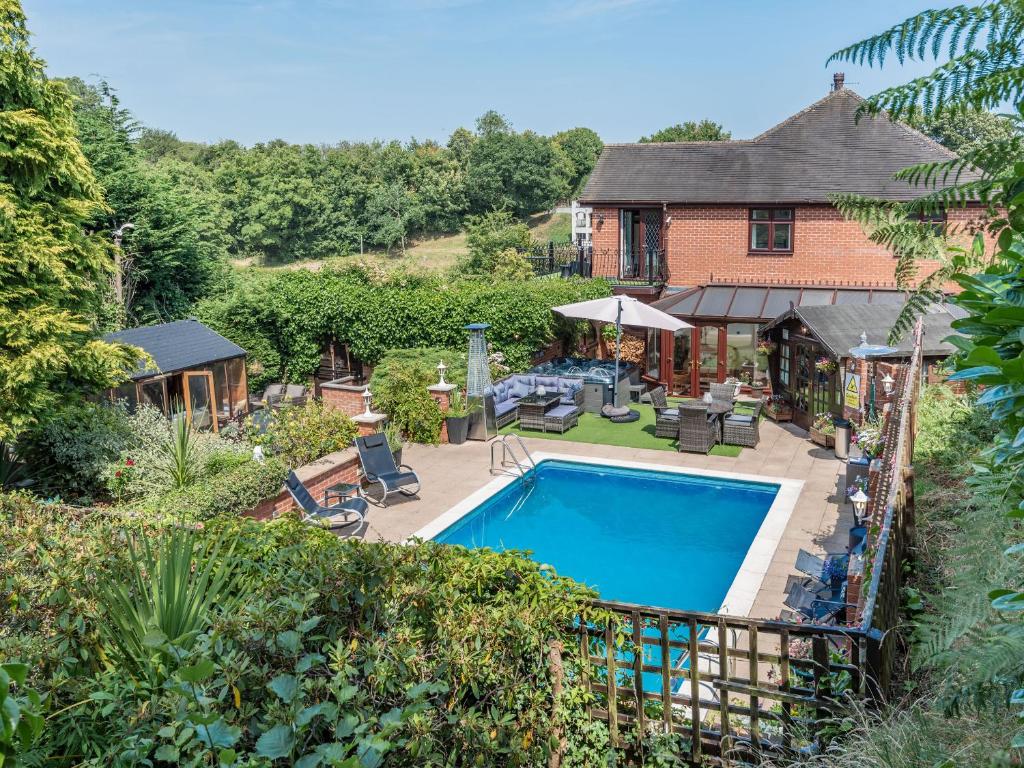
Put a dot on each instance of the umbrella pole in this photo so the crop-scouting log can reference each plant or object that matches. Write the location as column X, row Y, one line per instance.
column 618, row 351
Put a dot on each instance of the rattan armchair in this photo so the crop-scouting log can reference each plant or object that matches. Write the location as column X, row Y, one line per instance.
column 667, row 419
column 723, row 393
column 743, row 430
column 696, row 431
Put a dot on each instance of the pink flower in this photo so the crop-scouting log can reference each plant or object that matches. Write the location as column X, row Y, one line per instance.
column 118, row 473
column 129, row 463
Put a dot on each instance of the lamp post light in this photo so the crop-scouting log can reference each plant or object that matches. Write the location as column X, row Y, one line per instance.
column 887, row 384
column 367, row 399
column 441, row 368
column 860, row 504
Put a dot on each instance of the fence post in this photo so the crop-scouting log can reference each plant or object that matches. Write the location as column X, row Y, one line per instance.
column 551, row 256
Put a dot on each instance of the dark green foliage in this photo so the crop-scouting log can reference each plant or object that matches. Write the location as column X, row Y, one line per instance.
column 235, row 490
column 520, row 172
column 582, row 147
column 491, row 234
column 399, row 387
column 179, row 245
column 404, row 655
column 299, row 434
column 291, row 314
column 705, row 130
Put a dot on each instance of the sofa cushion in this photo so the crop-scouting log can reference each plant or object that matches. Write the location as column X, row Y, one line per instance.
column 500, row 391
column 523, row 378
column 519, row 389
column 560, row 411
column 740, row 419
column 568, row 399
column 570, row 385
column 500, row 409
column 548, row 382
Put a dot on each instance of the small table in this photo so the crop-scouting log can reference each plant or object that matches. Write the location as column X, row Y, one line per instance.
column 637, row 392
column 341, row 491
column 533, row 407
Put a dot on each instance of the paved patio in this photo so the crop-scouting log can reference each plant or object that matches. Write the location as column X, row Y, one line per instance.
column 819, row 523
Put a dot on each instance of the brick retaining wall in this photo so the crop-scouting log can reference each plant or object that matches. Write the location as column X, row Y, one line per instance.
column 338, row 467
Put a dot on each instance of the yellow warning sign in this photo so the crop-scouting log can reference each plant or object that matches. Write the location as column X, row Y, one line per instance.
column 851, row 391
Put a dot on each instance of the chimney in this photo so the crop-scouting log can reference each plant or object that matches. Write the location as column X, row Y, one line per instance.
column 837, row 81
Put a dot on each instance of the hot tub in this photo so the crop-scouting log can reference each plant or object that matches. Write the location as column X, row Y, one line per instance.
column 598, row 377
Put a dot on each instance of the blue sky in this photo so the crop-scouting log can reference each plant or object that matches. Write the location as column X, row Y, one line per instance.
column 328, row 70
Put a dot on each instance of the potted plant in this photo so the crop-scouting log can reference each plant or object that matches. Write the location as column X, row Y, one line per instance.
column 778, row 409
column 456, row 418
column 869, row 439
column 826, row 365
column 823, row 430
column 394, row 436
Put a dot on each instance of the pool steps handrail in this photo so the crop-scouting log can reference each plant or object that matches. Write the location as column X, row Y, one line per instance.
column 502, row 467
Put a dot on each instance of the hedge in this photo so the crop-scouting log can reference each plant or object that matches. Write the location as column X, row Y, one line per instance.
column 283, row 319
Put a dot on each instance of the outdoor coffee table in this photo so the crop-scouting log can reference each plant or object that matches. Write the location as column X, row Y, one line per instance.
column 533, row 407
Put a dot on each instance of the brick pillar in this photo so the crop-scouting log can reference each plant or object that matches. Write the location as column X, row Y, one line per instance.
column 344, row 395
column 442, row 394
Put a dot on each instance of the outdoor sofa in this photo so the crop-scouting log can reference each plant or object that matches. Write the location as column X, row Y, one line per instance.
column 510, row 390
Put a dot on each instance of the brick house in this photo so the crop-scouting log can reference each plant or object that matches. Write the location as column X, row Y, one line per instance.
column 728, row 235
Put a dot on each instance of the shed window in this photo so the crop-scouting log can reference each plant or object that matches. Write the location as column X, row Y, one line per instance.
column 771, row 229
column 784, row 364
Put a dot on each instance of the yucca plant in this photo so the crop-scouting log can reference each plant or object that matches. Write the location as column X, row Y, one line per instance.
column 167, row 600
column 179, row 463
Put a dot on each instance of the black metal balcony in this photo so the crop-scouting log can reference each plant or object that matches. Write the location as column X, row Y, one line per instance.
column 644, row 269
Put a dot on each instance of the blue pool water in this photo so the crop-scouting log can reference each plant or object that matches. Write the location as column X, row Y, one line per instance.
column 639, row 536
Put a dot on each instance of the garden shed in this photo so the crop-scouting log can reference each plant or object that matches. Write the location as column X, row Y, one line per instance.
column 810, row 362
column 194, row 370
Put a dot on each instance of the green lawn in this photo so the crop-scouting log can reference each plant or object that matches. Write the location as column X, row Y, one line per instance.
column 592, row 428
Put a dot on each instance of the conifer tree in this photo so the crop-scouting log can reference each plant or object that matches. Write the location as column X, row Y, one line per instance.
column 53, row 272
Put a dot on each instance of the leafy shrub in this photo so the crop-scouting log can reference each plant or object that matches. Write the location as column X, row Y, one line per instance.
column 72, row 449
column 145, row 447
column 399, row 387
column 402, row 655
column 299, row 434
column 490, row 235
column 424, row 360
column 232, row 491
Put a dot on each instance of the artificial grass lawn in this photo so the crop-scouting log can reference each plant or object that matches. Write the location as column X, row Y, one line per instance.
column 593, row 428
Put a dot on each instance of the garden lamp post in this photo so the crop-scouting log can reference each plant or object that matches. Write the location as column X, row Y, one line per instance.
column 367, row 399
column 441, row 368
column 887, row 383
column 860, row 504
column 865, row 351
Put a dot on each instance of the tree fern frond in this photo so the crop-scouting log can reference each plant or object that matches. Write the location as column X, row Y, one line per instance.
column 911, row 38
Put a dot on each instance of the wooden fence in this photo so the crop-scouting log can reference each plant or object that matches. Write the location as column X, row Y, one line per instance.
column 737, row 689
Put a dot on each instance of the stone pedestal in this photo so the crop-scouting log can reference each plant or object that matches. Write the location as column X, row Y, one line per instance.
column 442, row 394
column 370, row 423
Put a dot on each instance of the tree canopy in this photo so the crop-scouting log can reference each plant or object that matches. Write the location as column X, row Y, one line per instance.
column 52, row 268
column 705, row 130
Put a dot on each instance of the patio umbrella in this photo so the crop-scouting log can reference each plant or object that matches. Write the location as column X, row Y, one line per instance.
column 621, row 310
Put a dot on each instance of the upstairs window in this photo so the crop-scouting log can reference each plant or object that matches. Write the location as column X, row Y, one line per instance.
column 771, row 230
column 935, row 220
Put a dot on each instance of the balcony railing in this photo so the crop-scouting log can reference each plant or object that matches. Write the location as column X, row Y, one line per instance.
column 647, row 268
column 630, row 269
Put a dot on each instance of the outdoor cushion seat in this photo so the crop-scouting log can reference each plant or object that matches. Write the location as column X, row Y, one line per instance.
column 548, row 382
column 519, row 389
column 740, row 419
column 500, row 409
column 560, row 411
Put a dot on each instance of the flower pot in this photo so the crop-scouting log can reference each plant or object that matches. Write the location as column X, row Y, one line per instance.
column 821, row 438
column 778, row 416
column 458, row 429
column 757, row 392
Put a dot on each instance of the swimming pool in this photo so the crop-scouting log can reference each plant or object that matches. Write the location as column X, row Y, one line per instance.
column 665, row 536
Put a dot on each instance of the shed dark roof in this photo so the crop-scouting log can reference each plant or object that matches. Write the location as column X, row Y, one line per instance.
column 177, row 346
column 765, row 302
column 838, row 327
column 818, row 152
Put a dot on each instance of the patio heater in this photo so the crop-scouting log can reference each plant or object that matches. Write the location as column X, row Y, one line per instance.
column 869, row 352
column 478, row 384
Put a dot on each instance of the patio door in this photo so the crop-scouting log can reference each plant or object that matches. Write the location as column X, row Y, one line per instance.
column 803, row 380
column 641, row 242
column 200, row 397
column 708, row 362
column 683, row 364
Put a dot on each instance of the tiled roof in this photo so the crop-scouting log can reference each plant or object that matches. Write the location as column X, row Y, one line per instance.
column 839, row 327
column 177, row 346
column 820, row 151
column 765, row 302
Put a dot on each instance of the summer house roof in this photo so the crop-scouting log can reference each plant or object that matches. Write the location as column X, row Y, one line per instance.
column 177, row 346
